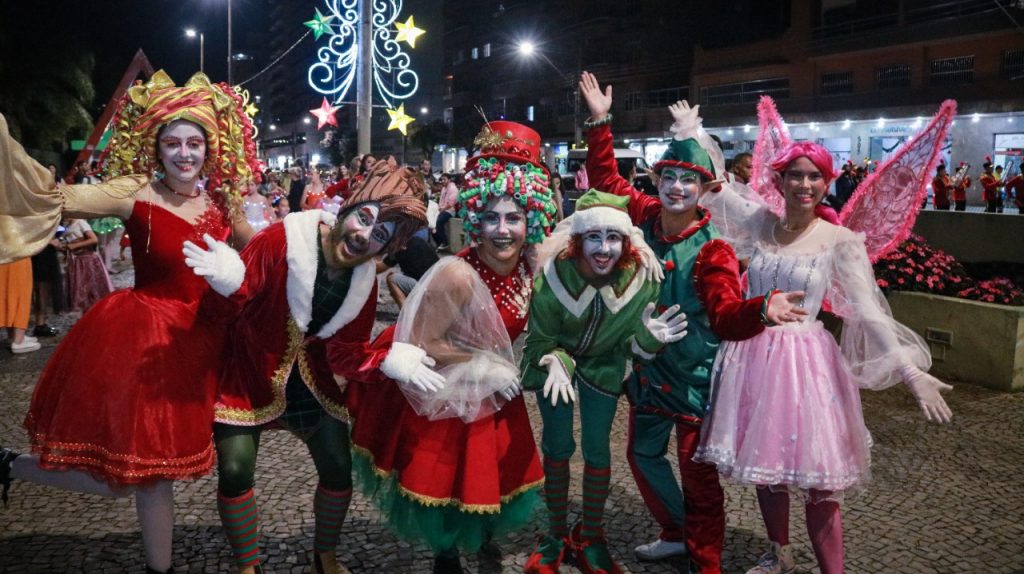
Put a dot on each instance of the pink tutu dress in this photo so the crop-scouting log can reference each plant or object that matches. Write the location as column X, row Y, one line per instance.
column 785, row 405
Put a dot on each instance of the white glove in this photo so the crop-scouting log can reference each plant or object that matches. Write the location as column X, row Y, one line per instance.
column 668, row 327
column 558, row 383
column 650, row 262
column 687, row 120
column 410, row 364
column 220, row 266
column 512, row 391
column 928, row 391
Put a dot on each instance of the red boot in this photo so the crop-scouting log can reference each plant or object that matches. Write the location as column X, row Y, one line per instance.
column 548, row 556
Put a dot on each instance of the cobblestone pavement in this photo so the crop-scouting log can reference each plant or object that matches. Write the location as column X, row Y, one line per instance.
column 943, row 500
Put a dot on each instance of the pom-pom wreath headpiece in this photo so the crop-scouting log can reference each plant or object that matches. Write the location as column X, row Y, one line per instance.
column 508, row 163
column 230, row 151
column 525, row 183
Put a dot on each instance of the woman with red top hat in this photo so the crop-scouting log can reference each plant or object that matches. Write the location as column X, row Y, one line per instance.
column 446, row 451
column 129, row 410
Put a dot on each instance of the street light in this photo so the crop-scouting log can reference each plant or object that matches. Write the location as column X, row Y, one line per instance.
column 191, row 33
column 528, row 49
column 424, row 111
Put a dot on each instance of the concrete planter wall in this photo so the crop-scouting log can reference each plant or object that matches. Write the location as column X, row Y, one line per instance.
column 970, row 341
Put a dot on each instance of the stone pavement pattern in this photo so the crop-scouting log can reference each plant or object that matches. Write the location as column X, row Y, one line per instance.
column 944, row 500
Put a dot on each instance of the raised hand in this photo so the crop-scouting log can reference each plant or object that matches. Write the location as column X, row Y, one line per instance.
column 668, row 327
column 409, row 364
column 783, row 307
column 220, row 266
column 598, row 102
column 558, row 384
column 683, row 114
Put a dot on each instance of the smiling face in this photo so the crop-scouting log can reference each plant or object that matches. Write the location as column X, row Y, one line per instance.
column 181, row 146
column 678, row 189
column 358, row 236
column 602, row 249
column 502, row 229
column 803, row 185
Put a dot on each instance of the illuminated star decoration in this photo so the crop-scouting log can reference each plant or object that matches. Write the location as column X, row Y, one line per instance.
column 408, row 32
column 320, row 25
column 399, row 119
column 325, row 114
column 251, row 110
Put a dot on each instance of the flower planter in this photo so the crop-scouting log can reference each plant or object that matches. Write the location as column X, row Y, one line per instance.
column 970, row 341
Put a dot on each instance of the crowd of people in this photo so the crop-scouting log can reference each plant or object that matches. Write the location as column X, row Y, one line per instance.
column 256, row 294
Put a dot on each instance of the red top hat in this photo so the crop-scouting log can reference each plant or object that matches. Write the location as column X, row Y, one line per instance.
column 510, row 141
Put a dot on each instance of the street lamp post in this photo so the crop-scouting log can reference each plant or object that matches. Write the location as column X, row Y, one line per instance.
column 229, row 43
column 191, row 33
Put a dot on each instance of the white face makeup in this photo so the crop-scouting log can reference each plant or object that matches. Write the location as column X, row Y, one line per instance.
column 678, row 189
column 502, row 228
column 361, row 236
column 602, row 249
column 182, row 150
column 803, row 185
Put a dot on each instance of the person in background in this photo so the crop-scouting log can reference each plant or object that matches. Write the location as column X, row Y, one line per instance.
column 742, row 165
column 446, row 209
column 15, row 308
column 297, row 186
column 942, row 188
column 960, row 188
column 556, row 192
column 313, row 194
column 989, row 188
column 418, row 256
column 88, row 281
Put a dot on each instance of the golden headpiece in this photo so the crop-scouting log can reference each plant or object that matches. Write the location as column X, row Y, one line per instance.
column 230, row 152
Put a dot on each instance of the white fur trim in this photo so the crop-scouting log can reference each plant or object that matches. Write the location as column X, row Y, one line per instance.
column 601, row 218
column 574, row 306
column 300, row 237
column 300, row 233
column 402, row 361
column 364, row 278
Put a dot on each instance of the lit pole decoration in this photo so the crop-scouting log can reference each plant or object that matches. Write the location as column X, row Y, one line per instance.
column 363, row 48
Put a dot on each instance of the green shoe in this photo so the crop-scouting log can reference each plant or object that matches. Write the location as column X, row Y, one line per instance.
column 548, row 556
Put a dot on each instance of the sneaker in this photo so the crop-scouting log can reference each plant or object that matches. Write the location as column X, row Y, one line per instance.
column 778, row 560
column 660, row 550
column 25, row 346
column 45, row 330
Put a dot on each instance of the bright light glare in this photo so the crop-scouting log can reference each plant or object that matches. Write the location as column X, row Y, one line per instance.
column 305, row 120
column 190, row 32
column 976, row 118
column 424, row 110
column 527, row 48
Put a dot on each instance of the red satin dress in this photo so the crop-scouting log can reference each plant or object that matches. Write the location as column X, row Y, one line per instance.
column 445, row 482
column 128, row 394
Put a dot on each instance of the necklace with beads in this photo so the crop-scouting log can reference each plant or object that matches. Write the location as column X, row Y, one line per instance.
column 179, row 194
column 510, row 291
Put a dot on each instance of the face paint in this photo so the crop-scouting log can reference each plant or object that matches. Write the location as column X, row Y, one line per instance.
column 182, row 150
column 803, row 185
column 602, row 249
column 359, row 236
column 678, row 189
column 502, row 228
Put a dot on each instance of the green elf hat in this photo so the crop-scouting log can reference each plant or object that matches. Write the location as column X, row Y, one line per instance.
column 600, row 210
column 687, row 154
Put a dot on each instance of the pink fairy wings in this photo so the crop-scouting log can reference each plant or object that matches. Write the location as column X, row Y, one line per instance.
column 886, row 204
column 772, row 136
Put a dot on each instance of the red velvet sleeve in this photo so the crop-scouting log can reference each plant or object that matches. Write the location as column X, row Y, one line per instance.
column 717, row 281
column 261, row 254
column 348, row 351
column 603, row 172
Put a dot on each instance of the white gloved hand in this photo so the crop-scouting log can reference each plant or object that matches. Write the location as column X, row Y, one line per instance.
column 668, row 327
column 687, row 120
column 651, row 263
column 558, row 384
column 512, row 391
column 221, row 266
column 410, row 364
column 928, row 392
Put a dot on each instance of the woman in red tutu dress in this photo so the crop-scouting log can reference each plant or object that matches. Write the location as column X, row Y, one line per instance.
column 448, row 453
column 125, row 404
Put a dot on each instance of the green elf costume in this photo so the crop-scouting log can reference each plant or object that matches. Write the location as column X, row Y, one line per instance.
column 583, row 329
column 671, row 389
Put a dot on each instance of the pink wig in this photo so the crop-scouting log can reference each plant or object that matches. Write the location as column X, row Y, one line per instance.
column 819, row 156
